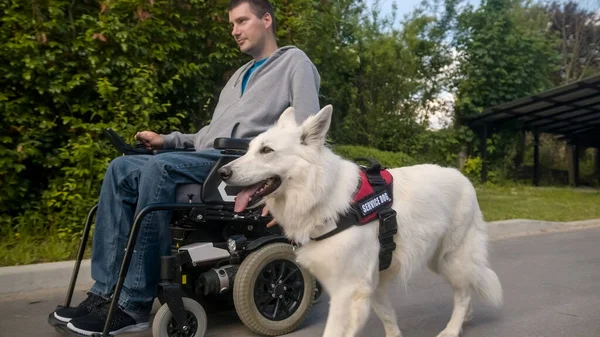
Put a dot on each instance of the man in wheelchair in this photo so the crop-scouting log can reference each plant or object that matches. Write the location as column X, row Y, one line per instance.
column 251, row 101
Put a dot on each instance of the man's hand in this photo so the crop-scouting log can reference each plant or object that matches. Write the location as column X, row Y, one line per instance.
column 271, row 223
column 151, row 140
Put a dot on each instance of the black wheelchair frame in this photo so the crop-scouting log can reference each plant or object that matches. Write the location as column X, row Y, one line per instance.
column 170, row 288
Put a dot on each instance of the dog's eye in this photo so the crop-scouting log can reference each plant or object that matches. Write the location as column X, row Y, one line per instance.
column 265, row 150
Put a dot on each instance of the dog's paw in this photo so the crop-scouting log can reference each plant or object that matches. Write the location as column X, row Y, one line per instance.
column 448, row 334
column 468, row 317
column 398, row 334
column 469, row 314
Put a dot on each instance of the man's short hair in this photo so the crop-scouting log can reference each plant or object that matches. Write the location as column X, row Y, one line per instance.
column 258, row 7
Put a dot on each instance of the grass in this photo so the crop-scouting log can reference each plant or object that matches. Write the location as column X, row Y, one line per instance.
column 21, row 249
column 538, row 203
column 498, row 202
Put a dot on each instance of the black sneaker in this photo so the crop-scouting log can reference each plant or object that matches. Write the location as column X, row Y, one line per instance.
column 94, row 322
column 65, row 315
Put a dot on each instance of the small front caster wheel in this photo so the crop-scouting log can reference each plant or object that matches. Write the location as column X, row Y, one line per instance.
column 164, row 324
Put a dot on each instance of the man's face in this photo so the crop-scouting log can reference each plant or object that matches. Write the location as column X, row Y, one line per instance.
column 249, row 30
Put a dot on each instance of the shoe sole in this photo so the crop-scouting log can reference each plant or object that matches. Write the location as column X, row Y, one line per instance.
column 53, row 321
column 131, row 328
column 62, row 319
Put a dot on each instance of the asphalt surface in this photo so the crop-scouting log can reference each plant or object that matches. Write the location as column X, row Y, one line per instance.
column 551, row 289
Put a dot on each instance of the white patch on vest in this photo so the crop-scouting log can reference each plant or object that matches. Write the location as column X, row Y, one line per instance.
column 377, row 201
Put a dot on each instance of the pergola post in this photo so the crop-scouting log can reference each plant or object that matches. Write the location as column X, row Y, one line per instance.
column 483, row 150
column 597, row 162
column 536, row 158
column 573, row 157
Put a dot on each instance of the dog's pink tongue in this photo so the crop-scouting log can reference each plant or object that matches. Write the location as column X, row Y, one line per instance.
column 243, row 198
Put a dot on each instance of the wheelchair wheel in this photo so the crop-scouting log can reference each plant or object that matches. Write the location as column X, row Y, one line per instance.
column 272, row 294
column 164, row 324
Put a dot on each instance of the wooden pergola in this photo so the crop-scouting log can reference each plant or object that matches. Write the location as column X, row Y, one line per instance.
column 571, row 112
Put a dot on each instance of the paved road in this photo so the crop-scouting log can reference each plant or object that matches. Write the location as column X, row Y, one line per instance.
column 551, row 286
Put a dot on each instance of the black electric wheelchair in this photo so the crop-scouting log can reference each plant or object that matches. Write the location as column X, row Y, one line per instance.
column 220, row 260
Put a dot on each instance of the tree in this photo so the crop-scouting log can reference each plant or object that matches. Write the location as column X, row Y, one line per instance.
column 504, row 55
column 579, row 32
column 395, row 75
column 70, row 69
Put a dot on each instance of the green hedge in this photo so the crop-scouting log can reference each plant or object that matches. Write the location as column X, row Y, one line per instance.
column 386, row 158
column 69, row 69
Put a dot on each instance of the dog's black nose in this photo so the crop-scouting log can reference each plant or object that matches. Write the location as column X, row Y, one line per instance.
column 225, row 172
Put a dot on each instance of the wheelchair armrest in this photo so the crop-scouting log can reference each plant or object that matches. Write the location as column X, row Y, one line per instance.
column 173, row 150
column 223, row 143
column 120, row 144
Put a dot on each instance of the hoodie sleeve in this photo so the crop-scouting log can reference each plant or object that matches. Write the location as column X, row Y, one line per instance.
column 305, row 90
column 178, row 140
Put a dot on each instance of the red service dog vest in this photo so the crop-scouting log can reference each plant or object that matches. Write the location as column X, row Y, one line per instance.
column 373, row 199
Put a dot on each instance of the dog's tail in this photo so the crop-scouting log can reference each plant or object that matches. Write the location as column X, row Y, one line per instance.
column 487, row 286
column 485, row 283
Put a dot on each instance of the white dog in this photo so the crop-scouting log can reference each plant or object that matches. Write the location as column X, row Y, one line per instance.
column 306, row 187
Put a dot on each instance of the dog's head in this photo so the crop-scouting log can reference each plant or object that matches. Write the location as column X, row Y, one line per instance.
column 277, row 157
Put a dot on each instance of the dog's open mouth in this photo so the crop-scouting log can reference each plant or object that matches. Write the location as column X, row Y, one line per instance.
column 252, row 194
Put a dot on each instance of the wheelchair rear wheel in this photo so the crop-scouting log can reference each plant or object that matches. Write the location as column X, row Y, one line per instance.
column 272, row 293
column 164, row 324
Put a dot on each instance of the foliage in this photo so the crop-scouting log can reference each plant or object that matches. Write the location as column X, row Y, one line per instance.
column 70, row 69
column 377, row 76
column 441, row 146
column 578, row 28
column 472, row 168
column 386, row 158
column 505, row 54
column 500, row 59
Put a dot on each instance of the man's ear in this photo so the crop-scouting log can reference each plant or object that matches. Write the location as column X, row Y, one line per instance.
column 315, row 127
column 287, row 118
column 268, row 19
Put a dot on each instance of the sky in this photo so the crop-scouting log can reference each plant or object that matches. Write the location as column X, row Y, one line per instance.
column 406, row 6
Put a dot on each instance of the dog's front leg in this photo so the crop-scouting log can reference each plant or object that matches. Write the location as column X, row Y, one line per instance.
column 384, row 309
column 336, row 322
column 348, row 312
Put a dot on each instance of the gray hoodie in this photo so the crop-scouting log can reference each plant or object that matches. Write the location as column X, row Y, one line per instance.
column 286, row 78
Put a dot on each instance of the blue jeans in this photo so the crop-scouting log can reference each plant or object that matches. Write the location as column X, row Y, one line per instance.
column 130, row 184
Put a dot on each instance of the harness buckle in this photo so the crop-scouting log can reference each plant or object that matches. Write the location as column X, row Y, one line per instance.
column 375, row 180
column 388, row 226
column 387, row 247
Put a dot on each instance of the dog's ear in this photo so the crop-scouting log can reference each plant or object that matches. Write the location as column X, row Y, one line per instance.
column 287, row 118
column 315, row 127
